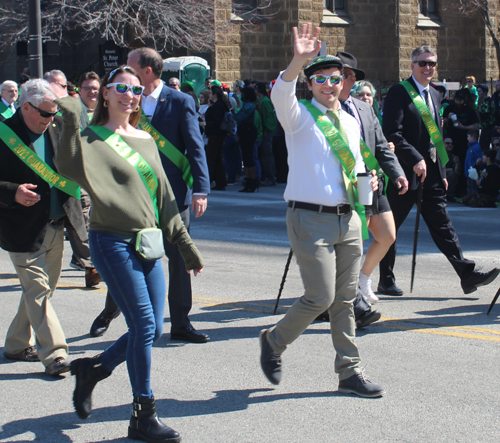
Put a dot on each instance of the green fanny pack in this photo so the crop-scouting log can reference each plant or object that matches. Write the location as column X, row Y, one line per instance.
column 148, row 243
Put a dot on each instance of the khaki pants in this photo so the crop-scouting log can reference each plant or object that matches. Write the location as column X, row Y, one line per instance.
column 38, row 273
column 328, row 249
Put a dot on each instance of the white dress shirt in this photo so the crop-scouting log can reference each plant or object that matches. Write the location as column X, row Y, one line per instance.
column 150, row 102
column 11, row 106
column 420, row 91
column 315, row 174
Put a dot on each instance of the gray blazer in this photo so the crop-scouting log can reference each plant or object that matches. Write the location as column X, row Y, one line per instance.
column 375, row 140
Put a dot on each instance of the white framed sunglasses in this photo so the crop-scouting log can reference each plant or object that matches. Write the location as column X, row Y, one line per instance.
column 122, row 88
column 321, row 79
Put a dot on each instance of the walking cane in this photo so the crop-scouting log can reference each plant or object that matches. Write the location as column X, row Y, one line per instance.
column 415, row 235
column 290, row 254
column 495, row 298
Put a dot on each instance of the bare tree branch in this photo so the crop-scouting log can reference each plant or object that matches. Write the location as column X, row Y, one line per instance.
column 188, row 24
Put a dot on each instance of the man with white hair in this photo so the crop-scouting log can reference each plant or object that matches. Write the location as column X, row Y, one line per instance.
column 8, row 90
column 56, row 76
column 174, row 83
column 35, row 202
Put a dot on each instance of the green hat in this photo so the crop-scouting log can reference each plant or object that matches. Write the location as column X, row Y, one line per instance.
column 187, row 82
column 322, row 62
column 216, row 83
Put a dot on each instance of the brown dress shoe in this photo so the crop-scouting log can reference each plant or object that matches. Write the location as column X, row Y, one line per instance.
column 92, row 277
column 29, row 354
column 58, row 366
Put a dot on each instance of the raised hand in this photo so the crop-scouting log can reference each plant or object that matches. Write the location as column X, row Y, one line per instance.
column 306, row 45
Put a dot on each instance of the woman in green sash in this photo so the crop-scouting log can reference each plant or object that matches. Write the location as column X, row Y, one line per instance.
column 126, row 198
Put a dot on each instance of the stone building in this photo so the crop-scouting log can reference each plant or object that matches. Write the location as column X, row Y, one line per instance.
column 380, row 33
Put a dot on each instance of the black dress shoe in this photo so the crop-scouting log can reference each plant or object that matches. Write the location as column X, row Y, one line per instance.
column 390, row 290
column 367, row 318
column 476, row 279
column 101, row 323
column 270, row 361
column 188, row 334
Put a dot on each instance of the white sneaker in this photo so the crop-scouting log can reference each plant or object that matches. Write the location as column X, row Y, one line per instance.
column 365, row 287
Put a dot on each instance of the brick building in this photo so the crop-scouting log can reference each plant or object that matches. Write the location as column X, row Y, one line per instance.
column 380, row 33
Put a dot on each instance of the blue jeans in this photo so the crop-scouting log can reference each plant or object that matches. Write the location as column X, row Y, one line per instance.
column 138, row 289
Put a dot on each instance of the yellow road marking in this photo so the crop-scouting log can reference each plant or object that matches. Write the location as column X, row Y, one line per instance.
column 413, row 325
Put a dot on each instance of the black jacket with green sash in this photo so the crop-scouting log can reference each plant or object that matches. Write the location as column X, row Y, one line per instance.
column 22, row 229
column 403, row 125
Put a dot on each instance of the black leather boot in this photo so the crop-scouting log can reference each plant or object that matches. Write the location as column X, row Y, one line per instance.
column 109, row 313
column 145, row 425
column 88, row 372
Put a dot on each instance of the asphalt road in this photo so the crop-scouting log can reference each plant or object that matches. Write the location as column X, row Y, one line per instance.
column 435, row 350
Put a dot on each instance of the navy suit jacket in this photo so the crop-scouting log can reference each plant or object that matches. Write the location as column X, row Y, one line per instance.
column 176, row 119
column 403, row 125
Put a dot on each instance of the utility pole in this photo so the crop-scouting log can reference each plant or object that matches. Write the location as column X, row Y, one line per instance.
column 35, row 39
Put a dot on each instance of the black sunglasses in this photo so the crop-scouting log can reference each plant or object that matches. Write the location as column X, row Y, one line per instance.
column 423, row 64
column 44, row 114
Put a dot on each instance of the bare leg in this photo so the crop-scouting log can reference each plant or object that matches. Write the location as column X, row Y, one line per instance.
column 383, row 230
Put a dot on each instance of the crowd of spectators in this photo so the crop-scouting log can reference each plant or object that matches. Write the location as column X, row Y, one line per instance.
column 471, row 129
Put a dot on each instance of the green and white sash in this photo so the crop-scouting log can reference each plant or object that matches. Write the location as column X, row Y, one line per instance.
column 341, row 150
column 5, row 111
column 36, row 164
column 168, row 149
column 368, row 157
column 429, row 122
column 147, row 174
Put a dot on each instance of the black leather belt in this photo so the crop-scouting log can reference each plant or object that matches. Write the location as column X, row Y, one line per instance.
column 339, row 210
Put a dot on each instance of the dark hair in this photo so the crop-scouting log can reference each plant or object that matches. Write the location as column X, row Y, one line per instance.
column 491, row 154
column 460, row 94
column 186, row 87
column 149, row 58
column 483, row 88
column 101, row 113
column 474, row 133
column 91, row 75
column 71, row 87
column 261, row 88
column 440, row 88
column 217, row 90
column 248, row 95
column 247, row 81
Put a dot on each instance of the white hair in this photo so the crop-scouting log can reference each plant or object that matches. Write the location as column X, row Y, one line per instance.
column 8, row 83
column 49, row 74
column 36, row 91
